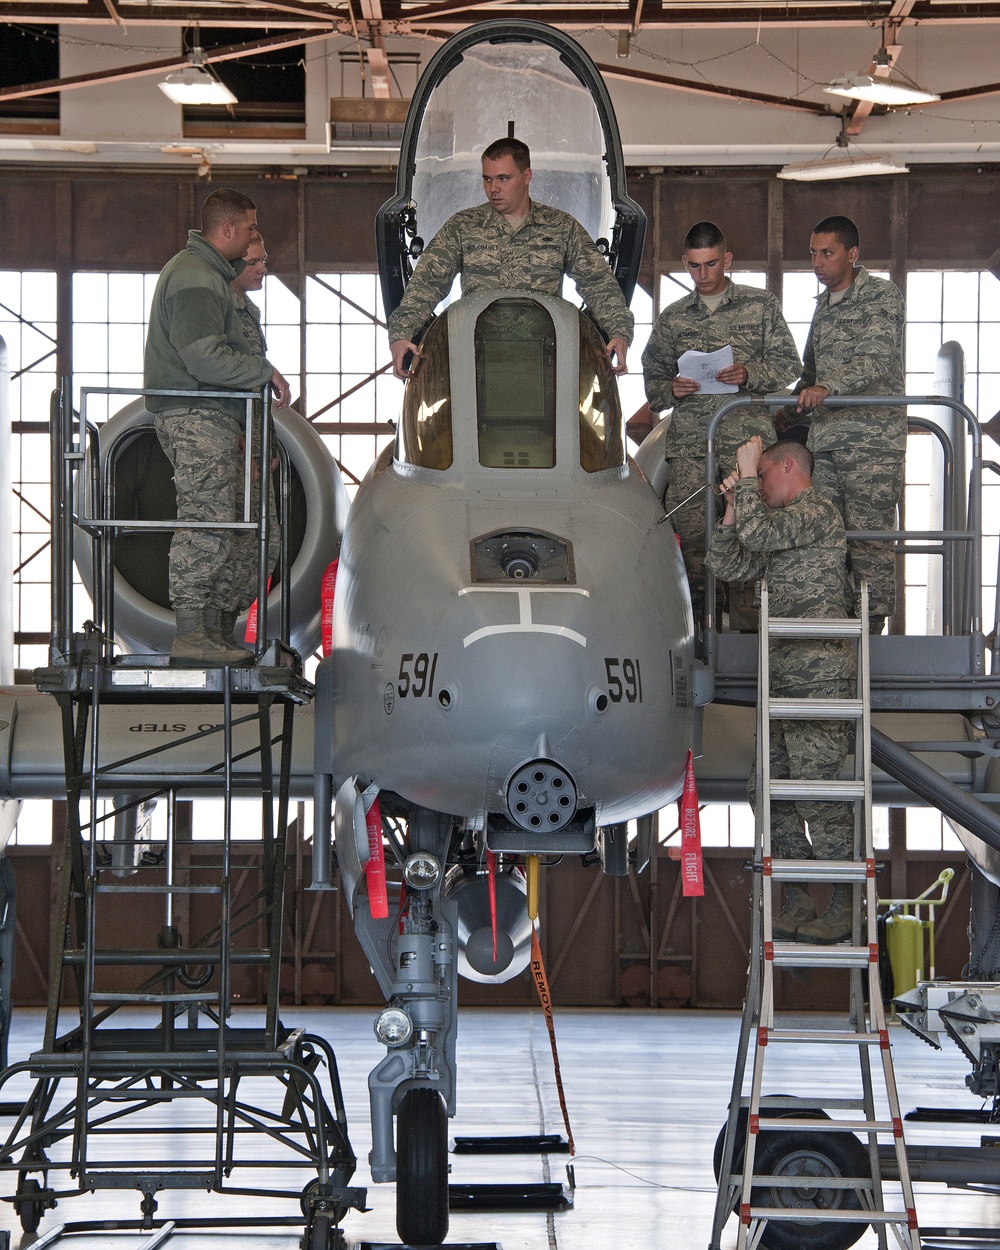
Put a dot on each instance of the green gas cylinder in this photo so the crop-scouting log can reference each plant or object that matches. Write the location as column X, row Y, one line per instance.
column 905, row 939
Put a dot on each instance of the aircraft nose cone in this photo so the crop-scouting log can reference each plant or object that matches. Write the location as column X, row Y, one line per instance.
column 541, row 796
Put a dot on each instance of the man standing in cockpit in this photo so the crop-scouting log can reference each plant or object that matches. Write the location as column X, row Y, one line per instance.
column 510, row 243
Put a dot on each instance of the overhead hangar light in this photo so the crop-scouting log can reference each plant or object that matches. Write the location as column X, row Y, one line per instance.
column 194, row 84
column 879, row 91
column 824, row 171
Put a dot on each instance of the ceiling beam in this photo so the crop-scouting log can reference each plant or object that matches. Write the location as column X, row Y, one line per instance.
column 725, row 93
column 378, row 60
column 233, row 52
column 302, row 12
column 399, row 18
column 253, row 16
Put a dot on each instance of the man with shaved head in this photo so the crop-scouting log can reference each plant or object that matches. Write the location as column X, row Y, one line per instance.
column 776, row 526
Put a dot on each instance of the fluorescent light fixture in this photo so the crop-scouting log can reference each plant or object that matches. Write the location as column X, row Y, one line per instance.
column 823, row 171
column 879, row 91
column 195, row 85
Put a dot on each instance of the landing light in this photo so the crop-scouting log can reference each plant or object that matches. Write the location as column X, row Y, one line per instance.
column 421, row 871
column 393, row 1027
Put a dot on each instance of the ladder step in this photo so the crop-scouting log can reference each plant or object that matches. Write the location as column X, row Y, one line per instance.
column 115, row 997
column 832, row 870
column 787, row 1103
column 814, row 627
column 837, row 1216
column 815, row 709
column 159, row 889
column 798, row 955
column 172, row 956
column 843, row 1037
column 856, row 1184
column 827, row 1126
column 802, row 788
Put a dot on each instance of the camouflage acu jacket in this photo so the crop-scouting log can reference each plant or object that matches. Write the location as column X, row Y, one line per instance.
column 748, row 319
column 802, row 551
column 855, row 347
column 249, row 315
column 479, row 244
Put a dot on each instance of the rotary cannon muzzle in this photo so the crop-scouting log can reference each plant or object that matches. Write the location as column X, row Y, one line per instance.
column 541, row 796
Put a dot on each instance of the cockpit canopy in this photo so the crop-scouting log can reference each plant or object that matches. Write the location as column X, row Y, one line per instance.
column 515, row 395
column 554, row 114
column 493, row 80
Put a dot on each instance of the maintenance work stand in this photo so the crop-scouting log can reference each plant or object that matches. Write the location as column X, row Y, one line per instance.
column 145, row 1025
column 806, row 1169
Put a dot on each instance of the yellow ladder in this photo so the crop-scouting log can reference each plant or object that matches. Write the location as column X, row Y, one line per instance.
column 791, row 1164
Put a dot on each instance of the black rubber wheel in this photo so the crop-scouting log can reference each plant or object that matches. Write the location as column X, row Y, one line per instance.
column 422, row 1168
column 323, row 1234
column 821, row 1155
column 775, row 1113
column 313, row 1201
column 29, row 1209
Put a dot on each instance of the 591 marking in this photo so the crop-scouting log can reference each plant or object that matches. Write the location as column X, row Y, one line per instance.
column 416, row 674
column 624, row 680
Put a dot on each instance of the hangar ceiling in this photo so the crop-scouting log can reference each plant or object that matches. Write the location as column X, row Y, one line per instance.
column 402, row 17
column 950, row 44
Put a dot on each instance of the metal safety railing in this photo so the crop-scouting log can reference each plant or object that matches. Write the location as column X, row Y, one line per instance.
column 83, row 475
column 966, row 619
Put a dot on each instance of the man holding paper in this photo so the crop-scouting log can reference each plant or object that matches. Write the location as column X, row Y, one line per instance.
column 721, row 340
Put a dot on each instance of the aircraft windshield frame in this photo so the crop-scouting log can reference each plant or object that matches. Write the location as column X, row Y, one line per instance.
column 602, row 445
column 425, row 431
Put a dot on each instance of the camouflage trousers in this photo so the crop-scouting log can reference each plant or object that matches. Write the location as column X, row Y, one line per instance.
column 810, row 750
column 865, row 487
column 685, row 474
column 209, row 567
column 815, row 750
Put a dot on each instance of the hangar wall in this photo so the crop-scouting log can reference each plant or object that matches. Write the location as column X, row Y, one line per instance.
column 133, row 220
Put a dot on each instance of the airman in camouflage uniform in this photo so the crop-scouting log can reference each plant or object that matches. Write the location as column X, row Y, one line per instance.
column 855, row 347
column 195, row 343
column 244, row 550
column 716, row 313
column 511, row 243
column 777, row 527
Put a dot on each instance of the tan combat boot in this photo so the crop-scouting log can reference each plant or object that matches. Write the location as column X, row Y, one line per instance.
column 220, row 625
column 835, row 923
column 798, row 910
column 192, row 644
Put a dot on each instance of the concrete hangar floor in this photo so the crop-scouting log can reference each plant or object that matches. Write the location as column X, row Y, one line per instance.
column 647, row 1094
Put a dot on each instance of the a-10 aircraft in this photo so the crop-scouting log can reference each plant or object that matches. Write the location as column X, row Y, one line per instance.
column 512, row 668
column 512, row 675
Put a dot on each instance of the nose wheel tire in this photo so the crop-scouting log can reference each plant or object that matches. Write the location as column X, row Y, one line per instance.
column 832, row 1156
column 422, row 1168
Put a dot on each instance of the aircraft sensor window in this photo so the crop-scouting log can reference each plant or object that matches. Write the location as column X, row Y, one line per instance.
column 426, row 426
column 601, row 443
column 516, row 386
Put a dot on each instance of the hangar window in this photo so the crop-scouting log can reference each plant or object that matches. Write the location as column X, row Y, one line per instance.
column 426, row 429
column 516, row 386
column 601, row 445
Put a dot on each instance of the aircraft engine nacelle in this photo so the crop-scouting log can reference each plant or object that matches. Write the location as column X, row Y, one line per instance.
column 513, row 641
column 144, row 490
